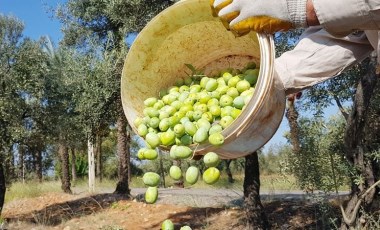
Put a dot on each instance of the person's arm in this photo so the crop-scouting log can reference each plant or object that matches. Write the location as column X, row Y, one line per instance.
column 341, row 17
column 311, row 16
column 319, row 56
column 338, row 17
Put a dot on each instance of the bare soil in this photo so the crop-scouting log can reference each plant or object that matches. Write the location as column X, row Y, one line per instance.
column 200, row 209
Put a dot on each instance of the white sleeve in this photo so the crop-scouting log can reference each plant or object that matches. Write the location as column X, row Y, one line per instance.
column 319, row 56
column 341, row 17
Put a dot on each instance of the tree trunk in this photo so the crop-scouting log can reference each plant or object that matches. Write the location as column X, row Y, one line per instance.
column 73, row 166
column 122, row 186
column 2, row 185
column 99, row 163
column 292, row 116
column 39, row 165
column 128, row 154
column 162, row 182
column 179, row 183
column 228, row 171
column 355, row 148
column 256, row 218
column 9, row 166
column 21, row 166
column 33, row 153
column 91, row 166
column 65, row 177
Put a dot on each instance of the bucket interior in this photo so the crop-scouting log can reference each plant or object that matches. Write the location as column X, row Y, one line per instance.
column 186, row 33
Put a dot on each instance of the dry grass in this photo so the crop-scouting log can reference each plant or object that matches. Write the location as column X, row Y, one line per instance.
column 32, row 189
column 19, row 190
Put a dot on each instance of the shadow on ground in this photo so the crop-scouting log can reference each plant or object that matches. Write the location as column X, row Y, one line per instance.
column 55, row 214
column 197, row 218
column 288, row 213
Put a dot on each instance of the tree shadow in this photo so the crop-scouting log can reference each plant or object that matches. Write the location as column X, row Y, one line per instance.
column 55, row 214
column 197, row 218
column 299, row 215
column 282, row 214
column 293, row 213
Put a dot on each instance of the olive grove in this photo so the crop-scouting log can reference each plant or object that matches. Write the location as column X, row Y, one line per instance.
column 58, row 101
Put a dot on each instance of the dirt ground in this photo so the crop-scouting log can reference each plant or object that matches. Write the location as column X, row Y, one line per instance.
column 200, row 210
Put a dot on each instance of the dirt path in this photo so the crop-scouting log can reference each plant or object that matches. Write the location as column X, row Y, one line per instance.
column 200, row 208
column 224, row 197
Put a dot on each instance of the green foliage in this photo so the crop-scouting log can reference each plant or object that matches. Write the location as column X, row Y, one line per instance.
column 236, row 166
column 326, row 213
column 372, row 219
column 51, row 95
column 154, row 165
column 10, row 100
column 81, row 165
column 110, row 168
column 97, row 19
column 97, row 94
column 273, row 160
column 66, row 67
column 375, row 155
column 341, row 88
column 372, row 129
column 320, row 164
column 98, row 29
column 23, row 66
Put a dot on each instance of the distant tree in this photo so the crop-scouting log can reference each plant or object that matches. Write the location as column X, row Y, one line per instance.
column 228, row 170
column 2, row 186
column 10, row 113
column 62, row 84
column 22, row 67
column 358, row 86
column 108, row 22
column 319, row 164
column 358, row 149
column 273, row 160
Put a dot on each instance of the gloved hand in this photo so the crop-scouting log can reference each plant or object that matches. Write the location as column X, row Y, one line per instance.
column 263, row 16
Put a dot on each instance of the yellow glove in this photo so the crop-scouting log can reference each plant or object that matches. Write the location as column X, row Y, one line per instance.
column 263, row 16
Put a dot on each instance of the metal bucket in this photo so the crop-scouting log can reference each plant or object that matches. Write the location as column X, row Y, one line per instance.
column 186, row 32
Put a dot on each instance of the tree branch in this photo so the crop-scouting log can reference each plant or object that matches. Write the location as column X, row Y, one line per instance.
column 340, row 106
column 350, row 221
column 292, row 115
column 356, row 120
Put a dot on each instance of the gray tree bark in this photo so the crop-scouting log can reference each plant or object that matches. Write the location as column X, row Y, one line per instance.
column 123, row 137
column 2, row 185
column 65, row 176
column 256, row 217
column 355, row 148
column 91, row 166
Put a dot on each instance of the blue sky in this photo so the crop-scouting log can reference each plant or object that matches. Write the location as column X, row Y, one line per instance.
column 35, row 16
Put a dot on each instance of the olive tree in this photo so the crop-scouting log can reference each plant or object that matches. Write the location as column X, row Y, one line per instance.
column 10, row 35
column 109, row 23
column 356, row 87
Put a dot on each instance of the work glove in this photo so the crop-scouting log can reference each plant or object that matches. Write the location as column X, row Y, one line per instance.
column 263, row 16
